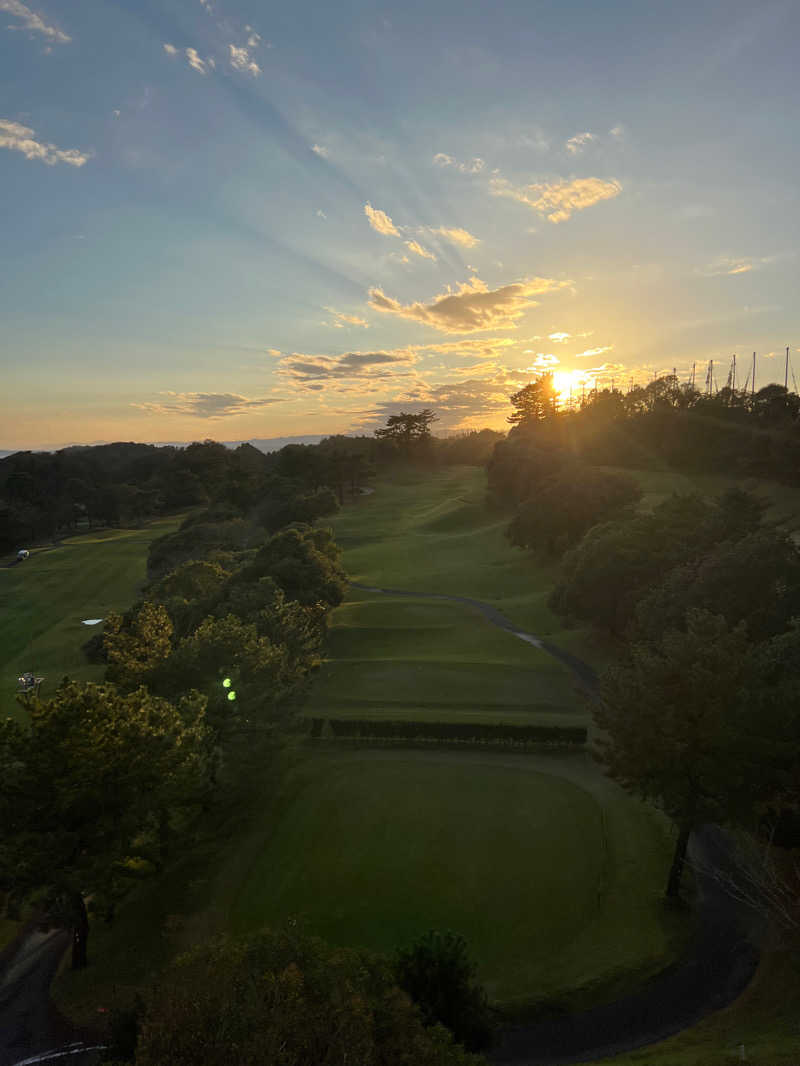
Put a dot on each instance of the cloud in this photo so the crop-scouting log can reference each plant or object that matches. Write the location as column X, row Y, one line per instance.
column 19, row 138
column 320, row 150
column 380, row 221
column 739, row 265
column 321, row 213
column 206, row 404
column 543, row 361
column 593, row 351
column 342, row 319
column 456, row 235
column 475, row 166
column 195, row 62
column 207, row 5
column 559, row 338
column 617, row 132
column 417, row 249
column 242, row 60
column 469, row 404
column 315, row 368
column 170, row 49
column 273, row 351
column 33, row 22
column 575, row 145
column 559, row 199
column 472, row 307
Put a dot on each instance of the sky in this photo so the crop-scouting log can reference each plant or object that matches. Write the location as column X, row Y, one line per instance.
column 230, row 219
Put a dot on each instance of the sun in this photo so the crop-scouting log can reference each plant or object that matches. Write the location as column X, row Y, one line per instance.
column 569, row 385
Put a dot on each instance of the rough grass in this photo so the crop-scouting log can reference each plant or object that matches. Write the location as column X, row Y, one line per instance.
column 44, row 600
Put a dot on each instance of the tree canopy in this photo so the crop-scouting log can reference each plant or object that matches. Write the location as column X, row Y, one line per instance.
column 286, row 999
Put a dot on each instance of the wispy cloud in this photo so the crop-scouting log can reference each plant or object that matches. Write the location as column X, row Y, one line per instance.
column 316, row 368
column 575, row 145
column 241, row 59
column 380, row 221
column 417, row 249
column 341, row 319
column 738, row 264
column 559, row 338
column 558, row 200
column 474, row 166
column 593, row 351
column 210, row 405
column 19, row 138
column 29, row 20
column 170, row 49
column 456, row 235
column 472, row 307
column 321, row 150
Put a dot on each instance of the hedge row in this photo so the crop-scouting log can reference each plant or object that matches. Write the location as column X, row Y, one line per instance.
column 462, row 731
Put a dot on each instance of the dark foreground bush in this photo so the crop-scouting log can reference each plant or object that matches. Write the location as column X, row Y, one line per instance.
column 286, row 999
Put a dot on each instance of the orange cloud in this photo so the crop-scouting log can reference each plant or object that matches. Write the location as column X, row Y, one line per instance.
column 558, row 200
column 472, row 307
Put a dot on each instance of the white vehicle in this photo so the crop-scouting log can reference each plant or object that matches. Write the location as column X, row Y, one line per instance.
column 22, row 554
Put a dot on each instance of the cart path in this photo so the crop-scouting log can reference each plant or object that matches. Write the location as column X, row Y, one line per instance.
column 715, row 970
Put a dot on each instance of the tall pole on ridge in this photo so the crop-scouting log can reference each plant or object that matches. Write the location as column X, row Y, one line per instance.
column 786, row 374
column 754, row 375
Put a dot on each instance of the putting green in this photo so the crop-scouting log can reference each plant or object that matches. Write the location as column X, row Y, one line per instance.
column 44, row 600
column 550, row 871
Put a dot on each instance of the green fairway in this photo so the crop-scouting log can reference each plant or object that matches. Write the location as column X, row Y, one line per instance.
column 415, row 658
column 44, row 600
column 435, row 660
column 550, row 871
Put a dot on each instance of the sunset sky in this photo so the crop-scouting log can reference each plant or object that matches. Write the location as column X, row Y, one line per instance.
column 229, row 219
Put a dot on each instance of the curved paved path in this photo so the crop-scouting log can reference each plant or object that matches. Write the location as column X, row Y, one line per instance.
column 715, row 970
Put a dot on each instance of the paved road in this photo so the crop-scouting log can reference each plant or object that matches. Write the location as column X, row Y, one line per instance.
column 715, row 970
column 29, row 1026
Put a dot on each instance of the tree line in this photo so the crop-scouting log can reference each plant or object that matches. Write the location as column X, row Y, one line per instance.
column 700, row 714
column 44, row 495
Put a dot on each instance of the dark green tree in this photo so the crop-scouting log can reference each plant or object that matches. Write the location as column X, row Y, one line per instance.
column 567, row 503
column 286, row 999
column 437, row 973
column 537, row 402
column 87, row 790
column 681, row 730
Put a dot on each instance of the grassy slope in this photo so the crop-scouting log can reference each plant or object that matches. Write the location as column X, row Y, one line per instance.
column 44, row 600
column 401, row 657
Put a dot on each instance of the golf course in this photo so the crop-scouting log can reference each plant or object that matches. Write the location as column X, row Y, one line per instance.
column 45, row 600
column 551, row 872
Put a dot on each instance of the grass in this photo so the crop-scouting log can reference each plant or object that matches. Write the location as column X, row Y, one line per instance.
column 550, row 871
column 44, row 600
column 402, row 657
column 435, row 661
